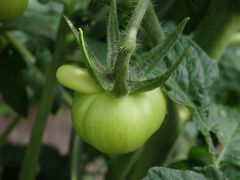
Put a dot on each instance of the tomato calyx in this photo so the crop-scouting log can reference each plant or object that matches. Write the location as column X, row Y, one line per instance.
column 119, row 76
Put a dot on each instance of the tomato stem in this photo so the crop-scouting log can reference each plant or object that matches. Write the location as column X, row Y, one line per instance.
column 30, row 162
column 127, row 47
column 220, row 23
column 76, row 147
column 113, row 35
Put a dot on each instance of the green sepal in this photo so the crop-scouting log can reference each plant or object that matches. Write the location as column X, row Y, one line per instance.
column 150, row 84
column 73, row 29
column 149, row 60
column 98, row 72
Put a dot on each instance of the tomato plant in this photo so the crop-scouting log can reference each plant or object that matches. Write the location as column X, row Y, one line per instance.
column 11, row 9
column 134, row 89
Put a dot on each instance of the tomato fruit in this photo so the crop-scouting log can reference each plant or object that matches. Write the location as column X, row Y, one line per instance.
column 11, row 9
column 112, row 125
column 117, row 126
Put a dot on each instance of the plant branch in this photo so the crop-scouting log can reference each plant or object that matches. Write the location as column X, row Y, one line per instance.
column 30, row 161
column 76, row 148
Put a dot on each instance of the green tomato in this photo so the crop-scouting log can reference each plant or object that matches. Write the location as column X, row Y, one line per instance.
column 111, row 125
column 11, row 9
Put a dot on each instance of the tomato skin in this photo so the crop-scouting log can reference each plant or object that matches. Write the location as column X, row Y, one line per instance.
column 117, row 126
column 11, row 9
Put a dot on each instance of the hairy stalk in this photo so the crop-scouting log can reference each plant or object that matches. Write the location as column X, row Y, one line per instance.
column 30, row 162
column 220, row 23
column 113, row 35
column 127, row 47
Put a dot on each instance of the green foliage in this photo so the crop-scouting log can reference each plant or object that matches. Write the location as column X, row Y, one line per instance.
column 167, row 174
column 191, row 82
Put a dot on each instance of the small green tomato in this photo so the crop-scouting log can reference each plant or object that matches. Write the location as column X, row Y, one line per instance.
column 111, row 125
column 11, row 9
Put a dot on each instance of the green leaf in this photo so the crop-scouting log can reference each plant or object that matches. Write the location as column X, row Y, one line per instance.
column 113, row 35
column 225, row 123
column 161, row 173
column 190, row 84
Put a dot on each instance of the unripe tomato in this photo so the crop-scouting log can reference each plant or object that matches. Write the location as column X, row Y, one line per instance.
column 11, row 9
column 117, row 126
column 111, row 125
